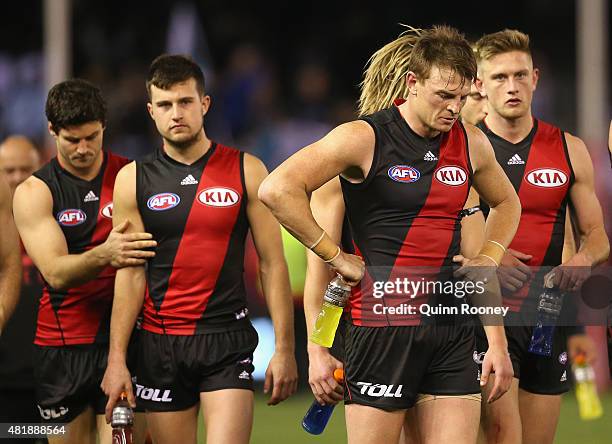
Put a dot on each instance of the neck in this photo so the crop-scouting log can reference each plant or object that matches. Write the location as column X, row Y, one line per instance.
column 188, row 154
column 513, row 130
column 414, row 122
column 83, row 173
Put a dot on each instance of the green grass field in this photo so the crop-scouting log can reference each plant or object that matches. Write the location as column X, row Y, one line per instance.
column 282, row 424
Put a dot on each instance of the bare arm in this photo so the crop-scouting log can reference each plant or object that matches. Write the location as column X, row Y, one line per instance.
column 46, row 245
column 347, row 150
column 129, row 293
column 328, row 209
column 10, row 257
column 472, row 228
column 282, row 371
column 594, row 244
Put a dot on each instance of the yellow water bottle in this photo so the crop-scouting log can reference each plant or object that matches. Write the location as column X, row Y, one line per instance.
column 334, row 300
column 589, row 406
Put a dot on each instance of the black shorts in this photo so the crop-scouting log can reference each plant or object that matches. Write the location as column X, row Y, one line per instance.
column 541, row 375
column 173, row 369
column 68, row 381
column 388, row 367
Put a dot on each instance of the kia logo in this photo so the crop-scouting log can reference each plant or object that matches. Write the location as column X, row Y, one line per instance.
column 219, row 197
column 451, row 175
column 546, row 177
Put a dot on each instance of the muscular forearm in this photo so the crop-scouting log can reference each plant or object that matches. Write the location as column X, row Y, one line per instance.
column 127, row 302
column 502, row 222
column 595, row 246
column 10, row 283
column 289, row 204
column 275, row 280
column 72, row 270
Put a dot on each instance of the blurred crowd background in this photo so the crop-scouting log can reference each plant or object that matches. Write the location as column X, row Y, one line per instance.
column 280, row 74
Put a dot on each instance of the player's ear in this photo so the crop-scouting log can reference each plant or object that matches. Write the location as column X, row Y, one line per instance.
column 51, row 131
column 536, row 77
column 411, row 82
column 205, row 104
column 150, row 109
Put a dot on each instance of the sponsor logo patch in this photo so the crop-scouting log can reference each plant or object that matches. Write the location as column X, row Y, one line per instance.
column 451, row 175
column 404, row 173
column 546, row 177
column 429, row 156
column 381, row 390
column 71, row 217
column 52, row 413
column 107, row 210
column 563, row 376
column 163, row 201
column 244, row 375
column 219, row 197
column 153, row 394
column 563, row 358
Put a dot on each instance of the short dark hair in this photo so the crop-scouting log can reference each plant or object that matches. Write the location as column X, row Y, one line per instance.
column 74, row 102
column 444, row 47
column 169, row 69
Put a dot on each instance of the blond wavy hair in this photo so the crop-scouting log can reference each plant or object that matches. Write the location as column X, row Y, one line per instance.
column 501, row 42
column 416, row 50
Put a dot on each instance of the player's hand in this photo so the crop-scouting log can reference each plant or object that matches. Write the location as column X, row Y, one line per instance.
column 116, row 379
column 513, row 273
column 320, row 375
column 497, row 360
column 281, row 377
column 581, row 344
column 480, row 268
column 350, row 267
column 128, row 249
column 570, row 275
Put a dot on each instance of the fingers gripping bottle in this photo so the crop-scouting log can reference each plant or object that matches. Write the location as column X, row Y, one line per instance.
column 318, row 415
column 589, row 406
column 334, row 300
column 122, row 421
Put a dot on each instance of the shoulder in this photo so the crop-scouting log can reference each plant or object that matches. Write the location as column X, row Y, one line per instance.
column 579, row 155
column 33, row 196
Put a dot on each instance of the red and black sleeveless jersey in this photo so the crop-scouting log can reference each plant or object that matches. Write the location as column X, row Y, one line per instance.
column 541, row 173
column 406, row 211
column 83, row 210
column 197, row 215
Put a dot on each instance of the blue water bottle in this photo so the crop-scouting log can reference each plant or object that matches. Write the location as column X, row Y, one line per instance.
column 549, row 309
column 318, row 415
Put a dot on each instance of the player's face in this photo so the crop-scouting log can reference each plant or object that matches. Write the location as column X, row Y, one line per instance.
column 18, row 163
column 439, row 99
column 475, row 108
column 179, row 112
column 80, row 145
column 508, row 80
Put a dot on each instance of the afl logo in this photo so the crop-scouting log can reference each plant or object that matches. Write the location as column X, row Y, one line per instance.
column 107, row 210
column 451, row 175
column 218, row 197
column 163, row 201
column 71, row 217
column 404, row 173
column 546, row 178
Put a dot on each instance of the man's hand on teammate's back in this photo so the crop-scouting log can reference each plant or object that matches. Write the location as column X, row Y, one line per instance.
column 320, row 375
column 128, row 249
column 117, row 379
column 281, row 376
column 350, row 267
column 513, row 272
column 497, row 360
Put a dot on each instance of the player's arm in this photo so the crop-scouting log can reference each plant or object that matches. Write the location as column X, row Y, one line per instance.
column 10, row 257
column 46, row 245
column 472, row 227
column 129, row 293
column 281, row 374
column 348, row 149
column 594, row 244
column 492, row 184
column 328, row 209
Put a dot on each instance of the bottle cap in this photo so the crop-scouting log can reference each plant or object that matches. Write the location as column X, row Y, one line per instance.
column 580, row 359
column 339, row 375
